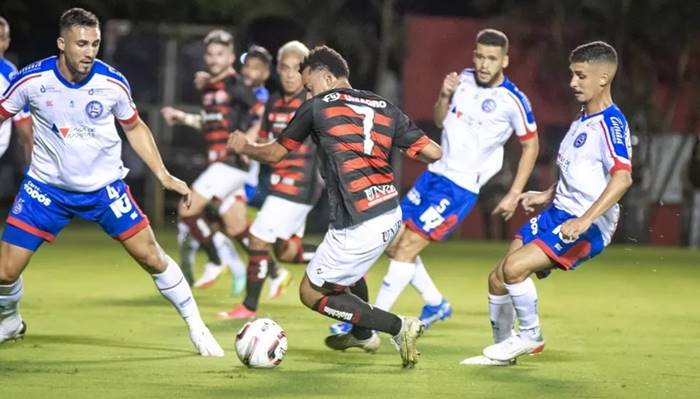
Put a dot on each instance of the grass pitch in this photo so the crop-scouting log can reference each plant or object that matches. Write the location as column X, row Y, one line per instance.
column 626, row 324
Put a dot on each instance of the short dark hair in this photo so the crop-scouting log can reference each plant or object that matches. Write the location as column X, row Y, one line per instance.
column 219, row 36
column 77, row 17
column 324, row 57
column 597, row 51
column 492, row 37
column 260, row 53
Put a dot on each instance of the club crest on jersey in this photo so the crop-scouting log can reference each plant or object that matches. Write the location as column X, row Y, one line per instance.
column 94, row 109
column 580, row 140
column 488, row 105
column 330, row 97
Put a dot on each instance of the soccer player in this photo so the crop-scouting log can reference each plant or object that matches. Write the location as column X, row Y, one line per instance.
column 226, row 105
column 22, row 120
column 355, row 132
column 76, row 170
column 478, row 110
column 294, row 186
column 581, row 213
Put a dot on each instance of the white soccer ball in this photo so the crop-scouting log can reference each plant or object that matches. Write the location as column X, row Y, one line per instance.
column 261, row 343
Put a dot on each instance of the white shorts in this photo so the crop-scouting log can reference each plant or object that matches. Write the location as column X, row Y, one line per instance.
column 280, row 218
column 345, row 255
column 219, row 180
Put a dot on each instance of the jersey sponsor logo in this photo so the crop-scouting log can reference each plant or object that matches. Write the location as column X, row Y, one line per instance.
column 34, row 192
column 616, row 125
column 413, row 196
column 337, row 314
column 79, row 132
column 389, row 235
column 330, row 97
column 380, row 193
column 31, row 67
column 18, row 206
column 94, row 109
column 580, row 140
column 488, row 105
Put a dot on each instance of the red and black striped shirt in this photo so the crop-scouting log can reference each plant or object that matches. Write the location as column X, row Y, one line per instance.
column 355, row 132
column 295, row 177
column 226, row 106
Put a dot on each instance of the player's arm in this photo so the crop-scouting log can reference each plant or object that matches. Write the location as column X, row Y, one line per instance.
column 270, row 152
column 141, row 140
column 430, row 153
column 26, row 138
column 618, row 185
column 174, row 116
column 442, row 105
column 530, row 149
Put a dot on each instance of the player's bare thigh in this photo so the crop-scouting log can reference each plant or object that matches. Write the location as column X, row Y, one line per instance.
column 199, row 202
column 235, row 218
column 407, row 246
column 146, row 251
column 13, row 260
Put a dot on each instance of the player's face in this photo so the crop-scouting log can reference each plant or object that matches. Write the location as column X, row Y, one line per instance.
column 489, row 62
column 79, row 46
column 255, row 72
column 587, row 80
column 288, row 70
column 218, row 57
column 4, row 39
column 317, row 81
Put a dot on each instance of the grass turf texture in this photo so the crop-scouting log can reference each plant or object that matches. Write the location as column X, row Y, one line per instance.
column 624, row 325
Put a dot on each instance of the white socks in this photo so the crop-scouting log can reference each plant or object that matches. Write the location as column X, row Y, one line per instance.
column 524, row 297
column 9, row 305
column 397, row 278
column 228, row 254
column 172, row 284
column 188, row 246
column 424, row 284
column 502, row 315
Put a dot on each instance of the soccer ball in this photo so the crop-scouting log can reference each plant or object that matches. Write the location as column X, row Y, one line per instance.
column 261, row 343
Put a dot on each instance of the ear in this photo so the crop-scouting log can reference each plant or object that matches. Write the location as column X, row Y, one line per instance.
column 61, row 44
column 506, row 61
column 604, row 79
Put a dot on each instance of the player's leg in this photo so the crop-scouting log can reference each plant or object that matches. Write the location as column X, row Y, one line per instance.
column 197, row 226
column 341, row 260
column 13, row 260
column 171, row 283
column 35, row 216
column 233, row 212
column 188, row 250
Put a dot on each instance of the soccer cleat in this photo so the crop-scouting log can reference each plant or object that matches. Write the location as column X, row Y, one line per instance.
column 279, row 284
column 205, row 343
column 16, row 335
column 341, row 327
column 513, row 347
column 341, row 342
column 212, row 271
column 238, row 284
column 485, row 361
column 405, row 340
column 431, row 314
column 238, row 312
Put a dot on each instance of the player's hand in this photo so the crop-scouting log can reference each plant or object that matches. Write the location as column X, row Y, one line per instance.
column 201, row 79
column 573, row 228
column 237, row 141
column 172, row 183
column 172, row 116
column 506, row 207
column 531, row 199
column 449, row 85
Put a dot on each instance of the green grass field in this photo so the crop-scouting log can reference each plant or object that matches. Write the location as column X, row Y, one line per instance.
column 626, row 324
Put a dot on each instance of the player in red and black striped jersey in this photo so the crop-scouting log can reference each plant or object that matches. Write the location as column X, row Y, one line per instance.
column 355, row 132
column 226, row 105
column 294, row 189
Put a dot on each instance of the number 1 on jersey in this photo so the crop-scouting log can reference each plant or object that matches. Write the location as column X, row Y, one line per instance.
column 367, row 114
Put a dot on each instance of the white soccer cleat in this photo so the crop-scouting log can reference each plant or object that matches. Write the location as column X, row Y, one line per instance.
column 205, row 343
column 405, row 340
column 279, row 284
column 212, row 271
column 12, row 329
column 485, row 361
column 513, row 347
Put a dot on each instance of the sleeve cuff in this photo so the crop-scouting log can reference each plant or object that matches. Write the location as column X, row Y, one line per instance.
column 416, row 147
column 5, row 113
column 289, row 143
column 129, row 120
column 528, row 135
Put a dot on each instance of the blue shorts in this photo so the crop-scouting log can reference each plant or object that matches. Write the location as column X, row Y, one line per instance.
column 543, row 231
column 435, row 206
column 41, row 211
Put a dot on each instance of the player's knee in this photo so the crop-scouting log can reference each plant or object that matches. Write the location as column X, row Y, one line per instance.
column 496, row 283
column 514, row 270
